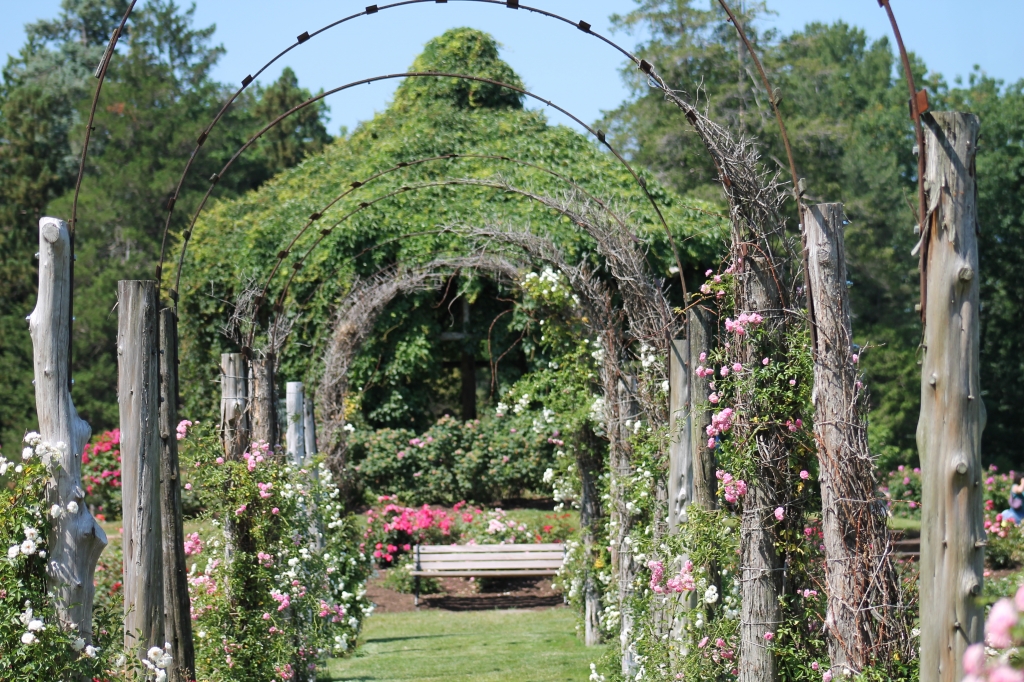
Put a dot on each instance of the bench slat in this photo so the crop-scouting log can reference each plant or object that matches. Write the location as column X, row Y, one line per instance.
column 528, row 573
column 506, row 556
column 491, row 549
column 485, row 565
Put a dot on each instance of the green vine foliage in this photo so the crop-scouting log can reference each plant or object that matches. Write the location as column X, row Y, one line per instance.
column 293, row 591
column 237, row 241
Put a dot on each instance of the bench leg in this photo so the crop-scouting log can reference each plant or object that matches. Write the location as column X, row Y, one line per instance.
column 416, row 592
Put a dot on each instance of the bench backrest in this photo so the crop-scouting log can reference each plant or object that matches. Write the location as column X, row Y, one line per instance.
column 481, row 559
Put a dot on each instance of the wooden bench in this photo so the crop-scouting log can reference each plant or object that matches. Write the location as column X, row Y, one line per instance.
column 491, row 561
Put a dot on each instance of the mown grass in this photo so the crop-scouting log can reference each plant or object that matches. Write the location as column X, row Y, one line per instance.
column 488, row 646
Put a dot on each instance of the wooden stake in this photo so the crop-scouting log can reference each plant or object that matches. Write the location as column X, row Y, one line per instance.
column 952, row 413
column 863, row 618
column 705, row 485
column 75, row 540
column 626, row 567
column 138, row 394
column 296, row 439
column 234, row 393
column 177, row 606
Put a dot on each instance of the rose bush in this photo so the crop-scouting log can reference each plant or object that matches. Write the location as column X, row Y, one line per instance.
column 281, row 583
column 33, row 645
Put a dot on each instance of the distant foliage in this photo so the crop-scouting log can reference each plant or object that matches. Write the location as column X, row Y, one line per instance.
column 480, row 460
column 101, row 475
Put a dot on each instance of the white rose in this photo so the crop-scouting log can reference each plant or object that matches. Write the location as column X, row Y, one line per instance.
column 154, row 653
column 42, row 554
column 91, row 650
column 33, row 438
column 31, row 533
column 28, row 547
column 72, row 507
column 35, row 625
column 56, row 511
column 27, row 453
column 28, row 638
column 13, row 551
column 165, row 661
column 78, row 644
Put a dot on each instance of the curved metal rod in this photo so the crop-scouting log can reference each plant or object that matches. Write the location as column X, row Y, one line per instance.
column 792, row 168
column 279, row 303
column 915, row 113
column 413, row 74
column 101, row 75
column 444, row 157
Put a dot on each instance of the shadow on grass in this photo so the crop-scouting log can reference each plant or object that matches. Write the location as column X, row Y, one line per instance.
column 487, row 602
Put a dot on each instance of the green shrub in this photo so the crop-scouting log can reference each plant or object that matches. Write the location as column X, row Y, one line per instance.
column 480, row 460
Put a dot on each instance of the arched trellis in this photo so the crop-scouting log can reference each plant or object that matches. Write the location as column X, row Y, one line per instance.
column 744, row 208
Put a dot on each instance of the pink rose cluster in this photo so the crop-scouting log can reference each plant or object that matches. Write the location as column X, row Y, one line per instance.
column 718, row 652
column 193, row 545
column 720, row 423
column 1002, row 619
column 732, row 488
column 182, row 428
column 740, row 324
column 256, row 453
column 683, row 582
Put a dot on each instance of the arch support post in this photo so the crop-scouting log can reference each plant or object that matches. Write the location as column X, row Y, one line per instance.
column 264, row 399
column 234, row 404
column 138, row 394
column 952, row 413
column 294, row 408
column 177, row 606
column 76, row 539
column 864, row 619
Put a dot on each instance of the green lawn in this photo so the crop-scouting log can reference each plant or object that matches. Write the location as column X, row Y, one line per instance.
column 491, row 646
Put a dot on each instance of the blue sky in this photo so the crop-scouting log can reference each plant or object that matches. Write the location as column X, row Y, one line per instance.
column 556, row 61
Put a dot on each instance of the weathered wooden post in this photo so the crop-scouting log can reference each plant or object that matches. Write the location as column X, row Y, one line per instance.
column 234, row 413
column 308, row 427
column 585, row 445
column 680, row 452
column 177, row 606
column 296, row 438
column 264, row 399
column 76, row 540
column 952, row 413
column 705, row 485
column 626, row 567
column 138, row 395
column 863, row 618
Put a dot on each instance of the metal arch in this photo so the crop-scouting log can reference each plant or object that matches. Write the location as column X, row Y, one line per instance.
column 414, row 74
column 101, row 75
column 445, row 157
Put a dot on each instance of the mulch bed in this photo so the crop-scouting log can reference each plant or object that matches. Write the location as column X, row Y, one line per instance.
column 465, row 594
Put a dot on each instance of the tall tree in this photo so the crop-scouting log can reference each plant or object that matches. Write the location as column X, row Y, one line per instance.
column 298, row 136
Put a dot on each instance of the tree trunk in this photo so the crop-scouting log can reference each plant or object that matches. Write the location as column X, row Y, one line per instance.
column 138, row 392
column 626, row 569
column 177, row 606
column 680, row 452
column 705, row 485
column 952, row 413
column 264, row 399
column 234, row 413
column 863, row 619
column 296, row 440
column 76, row 540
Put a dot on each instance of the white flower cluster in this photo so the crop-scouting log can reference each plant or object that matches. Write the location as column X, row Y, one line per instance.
column 157, row 661
column 647, row 356
column 594, row 675
column 29, row 546
column 521, row 404
column 32, row 625
column 501, row 410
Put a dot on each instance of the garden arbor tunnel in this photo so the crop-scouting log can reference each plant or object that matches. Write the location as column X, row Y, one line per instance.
column 755, row 199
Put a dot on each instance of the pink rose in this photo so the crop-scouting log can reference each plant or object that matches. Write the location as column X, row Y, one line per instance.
column 780, row 513
column 1005, row 673
column 1000, row 620
column 769, row 636
column 974, row 659
column 804, row 475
